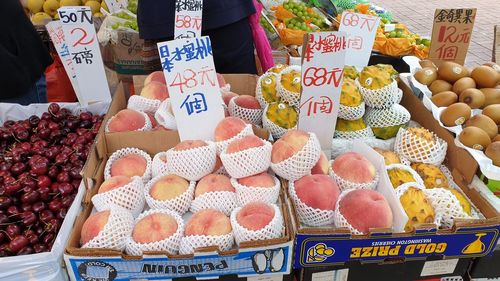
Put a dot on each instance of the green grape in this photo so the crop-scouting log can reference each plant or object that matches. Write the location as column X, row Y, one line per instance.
column 392, row 34
column 286, row 6
column 300, row 14
column 399, row 34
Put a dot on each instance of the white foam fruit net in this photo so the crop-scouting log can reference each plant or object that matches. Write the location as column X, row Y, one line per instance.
column 290, row 97
column 446, row 205
column 246, row 194
column 380, row 98
column 128, row 151
column 253, row 116
column 189, row 244
column 417, row 149
column 159, row 166
column 301, row 163
column 258, row 89
column 339, row 219
column 408, row 169
column 164, row 115
column 247, row 162
column 309, row 215
column 274, row 229
column 341, row 146
column 347, row 185
column 275, row 130
column 129, row 197
column 115, row 233
column 359, row 134
column 221, row 145
column 180, row 204
column 193, row 164
column 395, row 115
column 351, row 112
column 147, row 123
column 224, row 201
column 143, row 104
column 169, row 244
column 401, row 190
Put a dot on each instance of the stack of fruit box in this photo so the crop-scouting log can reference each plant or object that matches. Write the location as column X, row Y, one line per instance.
column 383, row 247
column 236, row 264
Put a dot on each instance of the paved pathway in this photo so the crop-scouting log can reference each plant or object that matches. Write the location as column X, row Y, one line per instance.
column 418, row 14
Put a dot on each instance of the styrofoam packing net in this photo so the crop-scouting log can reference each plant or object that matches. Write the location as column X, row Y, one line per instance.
column 226, row 88
column 193, row 164
column 395, row 115
column 169, row 244
column 301, row 163
column 339, row 219
column 272, row 230
column 124, row 152
column 158, row 166
column 115, row 233
column 407, row 168
column 258, row 89
column 275, row 130
column 189, row 244
column 246, row 194
column 416, row 149
column 180, row 204
column 221, row 145
column 404, row 187
column 164, row 116
column 309, row 215
column 247, row 162
column 222, row 171
column 403, row 160
column 347, row 185
column 380, row 98
column 446, row 205
column 451, row 182
column 351, row 112
column 253, row 116
column 147, row 123
column 143, row 104
column 341, row 146
column 224, row 201
column 129, row 197
column 359, row 134
column 290, row 97
column 399, row 96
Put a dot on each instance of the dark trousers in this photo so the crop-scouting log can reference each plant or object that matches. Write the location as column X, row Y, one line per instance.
column 37, row 94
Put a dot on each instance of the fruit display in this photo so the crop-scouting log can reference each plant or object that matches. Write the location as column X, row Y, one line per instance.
column 129, row 20
column 40, row 165
column 417, row 207
column 43, row 11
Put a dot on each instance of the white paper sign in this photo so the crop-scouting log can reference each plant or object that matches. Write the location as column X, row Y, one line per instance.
column 188, row 16
column 334, row 275
column 192, row 83
column 361, row 30
column 439, row 267
column 322, row 70
column 116, row 5
column 80, row 36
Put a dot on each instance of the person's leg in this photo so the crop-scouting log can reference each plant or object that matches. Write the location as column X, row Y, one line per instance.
column 37, row 94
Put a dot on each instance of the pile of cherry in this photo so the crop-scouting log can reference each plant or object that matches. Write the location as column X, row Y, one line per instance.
column 40, row 163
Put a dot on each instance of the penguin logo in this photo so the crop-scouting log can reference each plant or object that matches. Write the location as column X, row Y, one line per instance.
column 272, row 259
column 319, row 253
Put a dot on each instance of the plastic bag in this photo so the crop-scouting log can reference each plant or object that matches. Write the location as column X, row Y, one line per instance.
column 107, row 34
column 59, row 88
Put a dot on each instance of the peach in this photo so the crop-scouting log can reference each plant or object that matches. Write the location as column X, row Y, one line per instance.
column 218, row 164
column 227, row 96
column 354, row 167
column 154, row 227
column 221, row 80
column 228, row 128
column 213, row 182
column 93, row 225
column 321, row 167
column 317, row 191
column 289, row 144
column 244, row 143
column 156, row 76
column 126, row 120
column 260, row 180
column 365, row 209
column 129, row 166
column 208, row 222
column 255, row 215
column 114, row 183
column 247, row 101
column 189, row 144
column 155, row 91
column 168, row 187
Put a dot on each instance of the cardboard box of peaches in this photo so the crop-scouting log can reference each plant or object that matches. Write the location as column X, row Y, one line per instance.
column 193, row 225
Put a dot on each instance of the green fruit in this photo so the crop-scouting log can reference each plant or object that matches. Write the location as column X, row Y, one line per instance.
column 386, row 132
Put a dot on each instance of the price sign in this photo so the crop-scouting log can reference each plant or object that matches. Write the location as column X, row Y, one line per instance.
column 188, row 15
column 191, row 79
column 361, row 30
column 81, row 39
column 323, row 58
column 116, row 5
column 451, row 34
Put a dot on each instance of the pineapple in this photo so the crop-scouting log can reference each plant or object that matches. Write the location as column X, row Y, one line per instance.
column 372, row 77
column 282, row 114
column 389, row 69
column 417, row 207
column 422, row 133
column 350, row 72
column 399, row 177
column 463, row 201
column 350, row 126
column 277, row 68
column 431, row 174
column 291, row 81
column 389, row 156
column 268, row 87
column 350, row 95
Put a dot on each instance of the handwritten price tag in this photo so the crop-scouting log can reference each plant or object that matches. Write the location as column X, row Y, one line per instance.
column 361, row 30
column 192, row 83
column 322, row 70
column 188, row 16
column 116, row 5
column 81, row 39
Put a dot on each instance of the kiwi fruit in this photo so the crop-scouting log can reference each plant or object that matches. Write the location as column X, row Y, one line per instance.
column 496, row 138
column 493, row 65
column 426, row 75
column 485, row 76
column 451, row 71
column 473, row 97
column 483, row 122
column 474, row 137
column 427, row 63
column 439, row 86
column 455, row 114
column 493, row 111
column 444, row 99
column 463, row 84
column 492, row 96
column 493, row 152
